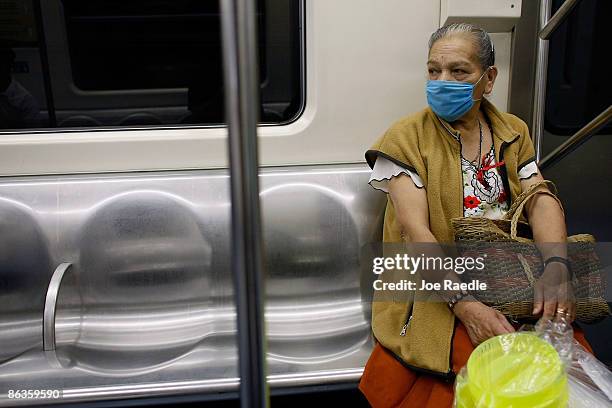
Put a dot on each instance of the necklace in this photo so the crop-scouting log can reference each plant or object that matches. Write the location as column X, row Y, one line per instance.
column 476, row 162
column 479, row 145
column 486, row 163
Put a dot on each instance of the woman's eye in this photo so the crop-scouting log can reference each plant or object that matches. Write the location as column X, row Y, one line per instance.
column 459, row 71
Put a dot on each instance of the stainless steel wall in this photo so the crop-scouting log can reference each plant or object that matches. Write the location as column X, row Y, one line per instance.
column 148, row 309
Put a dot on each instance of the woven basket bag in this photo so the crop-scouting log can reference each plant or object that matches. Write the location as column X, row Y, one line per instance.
column 513, row 263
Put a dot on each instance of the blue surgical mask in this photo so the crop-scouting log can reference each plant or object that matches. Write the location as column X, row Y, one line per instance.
column 450, row 100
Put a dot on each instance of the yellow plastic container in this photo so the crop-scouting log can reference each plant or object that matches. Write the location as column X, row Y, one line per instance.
column 517, row 370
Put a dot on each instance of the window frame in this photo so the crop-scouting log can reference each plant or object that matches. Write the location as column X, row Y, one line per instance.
column 180, row 136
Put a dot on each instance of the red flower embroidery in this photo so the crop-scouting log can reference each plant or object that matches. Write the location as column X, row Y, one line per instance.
column 502, row 197
column 471, row 202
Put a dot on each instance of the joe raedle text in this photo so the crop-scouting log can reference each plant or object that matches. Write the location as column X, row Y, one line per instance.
column 446, row 284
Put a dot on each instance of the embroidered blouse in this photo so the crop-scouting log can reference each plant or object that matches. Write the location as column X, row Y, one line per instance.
column 483, row 195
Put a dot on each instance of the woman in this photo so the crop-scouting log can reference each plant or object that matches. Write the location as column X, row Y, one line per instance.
column 458, row 157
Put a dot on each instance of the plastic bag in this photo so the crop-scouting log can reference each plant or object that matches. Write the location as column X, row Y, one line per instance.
column 589, row 380
column 539, row 366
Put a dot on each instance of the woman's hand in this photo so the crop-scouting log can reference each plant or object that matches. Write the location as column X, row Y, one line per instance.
column 553, row 293
column 481, row 321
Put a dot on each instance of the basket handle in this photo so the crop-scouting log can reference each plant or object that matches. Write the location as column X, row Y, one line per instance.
column 515, row 211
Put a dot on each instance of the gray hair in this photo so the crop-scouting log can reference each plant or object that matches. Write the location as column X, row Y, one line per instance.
column 484, row 46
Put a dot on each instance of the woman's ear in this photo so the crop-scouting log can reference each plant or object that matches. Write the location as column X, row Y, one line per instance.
column 491, row 76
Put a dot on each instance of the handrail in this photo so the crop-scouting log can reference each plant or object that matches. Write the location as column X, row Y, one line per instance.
column 51, row 306
column 241, row 83
column 577, row 139
column 539, row 94
column 557, row 19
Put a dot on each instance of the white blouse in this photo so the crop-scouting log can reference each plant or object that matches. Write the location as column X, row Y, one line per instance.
column 483, row 195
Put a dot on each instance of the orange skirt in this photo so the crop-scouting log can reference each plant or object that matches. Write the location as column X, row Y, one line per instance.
column 387, row 383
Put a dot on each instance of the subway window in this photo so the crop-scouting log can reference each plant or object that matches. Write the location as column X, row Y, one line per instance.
column 576, row 92
column 154, row 63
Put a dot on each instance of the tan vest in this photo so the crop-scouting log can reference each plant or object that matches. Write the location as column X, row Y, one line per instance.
column 424, row 143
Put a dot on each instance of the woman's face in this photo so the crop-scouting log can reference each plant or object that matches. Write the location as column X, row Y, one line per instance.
column 454, row 59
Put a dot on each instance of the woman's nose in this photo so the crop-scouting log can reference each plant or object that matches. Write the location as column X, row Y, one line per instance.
column 445, row 75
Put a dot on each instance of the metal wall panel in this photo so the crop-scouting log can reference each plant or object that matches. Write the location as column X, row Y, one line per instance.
column 148, row 308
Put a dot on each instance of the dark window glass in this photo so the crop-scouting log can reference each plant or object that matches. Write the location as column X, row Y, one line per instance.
column 578, row 89
column 136, row 63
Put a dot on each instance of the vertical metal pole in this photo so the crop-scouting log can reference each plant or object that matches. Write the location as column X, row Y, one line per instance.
column 238, row 26
column 539, row 95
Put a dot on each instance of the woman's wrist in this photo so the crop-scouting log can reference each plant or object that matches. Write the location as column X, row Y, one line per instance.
column 559, row 260
column 464, row 305
column 456, row 297
column 558, row 267
column 460, row 298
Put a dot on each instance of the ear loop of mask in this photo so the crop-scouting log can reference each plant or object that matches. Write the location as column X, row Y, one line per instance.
column 483, row 74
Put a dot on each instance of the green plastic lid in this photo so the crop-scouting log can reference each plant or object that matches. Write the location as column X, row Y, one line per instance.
column 513, row 370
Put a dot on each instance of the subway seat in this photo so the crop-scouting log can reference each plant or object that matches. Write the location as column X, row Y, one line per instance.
column 147, row 307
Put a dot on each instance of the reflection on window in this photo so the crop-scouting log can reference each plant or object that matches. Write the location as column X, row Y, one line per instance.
column 135, row 63
column 576, row 91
